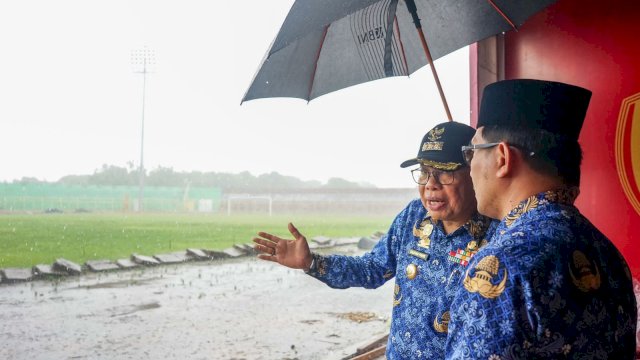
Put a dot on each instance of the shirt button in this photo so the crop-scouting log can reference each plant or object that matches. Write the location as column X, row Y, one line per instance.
column 412, row 271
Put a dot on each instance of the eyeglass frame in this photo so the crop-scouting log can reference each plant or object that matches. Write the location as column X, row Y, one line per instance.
column 431, row 173
column 471, row 148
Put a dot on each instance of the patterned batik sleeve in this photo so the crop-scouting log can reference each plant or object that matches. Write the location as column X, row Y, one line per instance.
column 370, row 270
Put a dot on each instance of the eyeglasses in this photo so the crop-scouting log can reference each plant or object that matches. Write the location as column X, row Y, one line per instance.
column 421, row 176
column 467, row 151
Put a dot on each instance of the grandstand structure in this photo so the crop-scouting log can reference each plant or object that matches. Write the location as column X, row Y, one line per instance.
column 356, row 201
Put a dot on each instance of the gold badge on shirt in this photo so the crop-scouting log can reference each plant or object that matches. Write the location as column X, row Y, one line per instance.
column 585, row 279
column 442, row 327
column 397, row 297
column 423, row 232
column 482, row 281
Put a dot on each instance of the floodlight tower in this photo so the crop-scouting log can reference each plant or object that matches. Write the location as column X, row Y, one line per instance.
column 142, row 60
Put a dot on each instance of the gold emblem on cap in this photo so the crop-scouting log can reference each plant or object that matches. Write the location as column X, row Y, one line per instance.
column 433, row 144
column 442, row 327
column 412, row 271
column 430, row 146
column 435, row 134
column 586, row 280
column 481, row 283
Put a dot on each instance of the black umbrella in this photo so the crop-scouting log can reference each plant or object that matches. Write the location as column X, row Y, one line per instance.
column 327, row 45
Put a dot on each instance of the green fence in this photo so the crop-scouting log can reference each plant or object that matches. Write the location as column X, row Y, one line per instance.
column 77, row 198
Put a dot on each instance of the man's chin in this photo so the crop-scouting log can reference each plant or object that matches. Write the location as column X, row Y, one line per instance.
column 437, row 215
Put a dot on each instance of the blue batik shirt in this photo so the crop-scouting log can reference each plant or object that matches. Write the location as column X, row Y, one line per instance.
column 548, row 285
column 427, row 265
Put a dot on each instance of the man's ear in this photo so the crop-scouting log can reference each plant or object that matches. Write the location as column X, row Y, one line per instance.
column 504, row 160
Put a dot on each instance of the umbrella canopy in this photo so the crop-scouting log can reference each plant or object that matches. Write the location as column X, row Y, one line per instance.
column 327, row 45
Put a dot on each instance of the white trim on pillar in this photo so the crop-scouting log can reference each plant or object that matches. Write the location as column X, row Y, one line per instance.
column 487, row 64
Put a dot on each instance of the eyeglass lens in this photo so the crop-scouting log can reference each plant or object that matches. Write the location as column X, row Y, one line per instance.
column 422, row 176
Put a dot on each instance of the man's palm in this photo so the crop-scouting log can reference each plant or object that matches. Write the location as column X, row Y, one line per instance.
column 291, row 253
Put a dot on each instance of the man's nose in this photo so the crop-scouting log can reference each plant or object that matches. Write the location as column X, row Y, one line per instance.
column 432, row 182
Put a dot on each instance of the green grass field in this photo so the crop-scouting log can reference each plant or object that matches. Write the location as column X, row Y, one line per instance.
column 27, row 240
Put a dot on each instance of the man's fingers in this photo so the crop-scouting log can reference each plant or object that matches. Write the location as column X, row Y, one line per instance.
column 268, row 236
column 265, row 243
column 294, row 231
column 267, row 257
column 265, row 249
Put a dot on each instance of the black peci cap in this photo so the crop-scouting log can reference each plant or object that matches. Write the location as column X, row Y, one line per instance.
column 440, row 147
column 535, row 104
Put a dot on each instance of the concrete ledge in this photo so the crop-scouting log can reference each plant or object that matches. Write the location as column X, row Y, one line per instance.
column 144, row 260
column 250, row 249
column 234, row 252
column 346, row 241
column 322, row 240
column 246, row 249
column 101, row 265
column 67, row 266
column 367, row 243
column 215, row 255
column 198, row 254
column 16, row 274
column 127, row 263
column 47, row 270
column 170, row 258
column 63, row 267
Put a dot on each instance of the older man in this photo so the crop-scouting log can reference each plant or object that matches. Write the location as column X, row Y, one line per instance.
column 426, row 249
column 549, row 285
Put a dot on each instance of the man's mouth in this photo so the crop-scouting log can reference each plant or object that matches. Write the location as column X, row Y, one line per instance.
column 435, row 204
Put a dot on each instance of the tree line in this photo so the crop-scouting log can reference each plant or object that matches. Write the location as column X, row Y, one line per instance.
column 111, row 175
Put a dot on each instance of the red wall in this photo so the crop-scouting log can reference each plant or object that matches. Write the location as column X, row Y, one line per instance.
column 594, row 44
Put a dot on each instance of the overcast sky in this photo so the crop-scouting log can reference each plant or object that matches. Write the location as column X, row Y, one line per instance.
column 70, row 100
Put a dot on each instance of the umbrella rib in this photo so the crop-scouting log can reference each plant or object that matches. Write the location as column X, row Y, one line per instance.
column 503, row 14
column 355, row 32
column 404, row 55
column 369, row 50
column 379, row 47
column 315, row 65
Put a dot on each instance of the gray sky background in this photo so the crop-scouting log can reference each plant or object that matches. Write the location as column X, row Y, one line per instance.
column 70, row 100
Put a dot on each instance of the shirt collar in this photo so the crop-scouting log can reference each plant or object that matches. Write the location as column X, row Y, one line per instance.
column 562, row 196
column 476, row 226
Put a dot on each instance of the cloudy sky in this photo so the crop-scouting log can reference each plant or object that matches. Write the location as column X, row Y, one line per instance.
column 70, row 99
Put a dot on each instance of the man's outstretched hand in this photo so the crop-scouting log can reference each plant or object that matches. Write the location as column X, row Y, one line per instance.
column 291, row 253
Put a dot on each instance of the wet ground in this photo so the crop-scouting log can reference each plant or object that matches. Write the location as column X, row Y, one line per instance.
column 231, row 309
